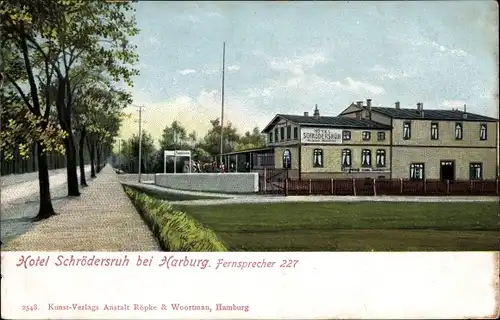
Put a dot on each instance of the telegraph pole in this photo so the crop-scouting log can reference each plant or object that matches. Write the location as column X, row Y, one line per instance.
column 222, row 103
column 140, row 141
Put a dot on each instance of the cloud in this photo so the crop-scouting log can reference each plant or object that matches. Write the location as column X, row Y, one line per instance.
column 233, row 68
column 303, row 81
column 319, row 84
column 194, row 113
column 152, row 41
column 188, row 17
column 259, row 93
column 297, row 65
column 458, row 52
column 455, row 52
column 392, row 73
column 214, row 15
column 187, row 71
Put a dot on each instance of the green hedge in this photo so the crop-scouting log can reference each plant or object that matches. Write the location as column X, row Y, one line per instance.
column 175, row 230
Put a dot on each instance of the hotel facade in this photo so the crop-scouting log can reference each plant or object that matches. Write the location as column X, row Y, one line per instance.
column 366, row 141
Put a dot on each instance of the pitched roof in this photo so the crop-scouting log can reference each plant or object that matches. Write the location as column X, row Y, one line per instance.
column 429, row 114
column 332, row 122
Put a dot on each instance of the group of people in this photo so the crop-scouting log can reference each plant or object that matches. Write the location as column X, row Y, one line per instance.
column 213, row 167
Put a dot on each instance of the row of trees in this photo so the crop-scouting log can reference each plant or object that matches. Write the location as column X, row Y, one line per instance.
column 176, row 137
column 62, row 63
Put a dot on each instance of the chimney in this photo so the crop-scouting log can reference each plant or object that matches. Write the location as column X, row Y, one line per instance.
column 397, row 105
column 316, row 112
column 360, row 104
column 464, row 115
column 420, row 106
column 369, row 106
column 465, row 108
column 306, row 114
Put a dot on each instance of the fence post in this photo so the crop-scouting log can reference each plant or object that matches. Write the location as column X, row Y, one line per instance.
column 498, row 190
column 425, row 186
column 310, row 186
column 374, row 187
column 354, row 186
column 471, row 186
column 447, row 186
column 286, row 187
column 332, row 186
column 401, row 185
column 265, row 180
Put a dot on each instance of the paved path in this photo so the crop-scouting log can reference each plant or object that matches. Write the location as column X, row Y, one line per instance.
column 235, row 199
column 101, row 219
column 151, row 186
column 20, row 199
column 18, row 187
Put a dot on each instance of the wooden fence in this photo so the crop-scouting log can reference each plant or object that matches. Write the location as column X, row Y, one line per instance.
column 374, row 187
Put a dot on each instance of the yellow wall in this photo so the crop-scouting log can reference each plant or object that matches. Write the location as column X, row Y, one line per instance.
column 332, row 157
column 404, row 156
column 357, row 137
column 421, row 134
column 279, row 125
column 278, row 157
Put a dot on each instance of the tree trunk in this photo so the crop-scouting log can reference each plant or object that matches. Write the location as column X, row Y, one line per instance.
column 64, row 115
column 81, row 148
column 98, row 159
column 90, row 146
column 46, row 210
column 71, row 169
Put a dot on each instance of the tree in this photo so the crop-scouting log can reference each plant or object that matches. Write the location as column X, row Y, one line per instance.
column 174, row 137
column 253, row 140
column 28, row 110
column 64, row 32
column 130, row 152
column 211, row 141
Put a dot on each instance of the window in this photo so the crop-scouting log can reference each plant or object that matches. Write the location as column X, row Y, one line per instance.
column 380, row 158
column 406, row 130
column 476, row 171
column 417, row 171
column 270, row 137
column 459, row 131
column 346, row 135
column 483, row 134
column 366, row 158
column 282, row 133
column 289, row 133
column 318, row 158
column 346, row 158
column 295, row 133
column 381, row 136
column 276, row 135
column 367, row 135
column 434, row 131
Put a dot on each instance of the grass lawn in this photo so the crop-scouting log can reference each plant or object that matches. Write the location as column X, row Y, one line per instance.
column 363, row 226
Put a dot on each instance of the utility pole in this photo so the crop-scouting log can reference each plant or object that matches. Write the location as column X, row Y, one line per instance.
column 140, row 141
column 222, row 103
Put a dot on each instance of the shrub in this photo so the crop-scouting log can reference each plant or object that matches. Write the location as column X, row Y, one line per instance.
column 175, row 230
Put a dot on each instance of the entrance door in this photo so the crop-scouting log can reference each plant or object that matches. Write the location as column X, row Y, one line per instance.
column 447, row 170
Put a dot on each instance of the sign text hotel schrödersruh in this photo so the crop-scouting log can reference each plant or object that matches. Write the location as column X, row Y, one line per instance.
column 320, row 135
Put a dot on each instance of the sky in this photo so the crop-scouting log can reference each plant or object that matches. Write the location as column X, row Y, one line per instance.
column 286, row 57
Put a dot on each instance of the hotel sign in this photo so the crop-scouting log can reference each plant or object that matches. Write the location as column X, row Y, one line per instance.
column 320, row 136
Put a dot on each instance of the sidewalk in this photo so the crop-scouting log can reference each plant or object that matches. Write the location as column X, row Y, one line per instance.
column 101, row 219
